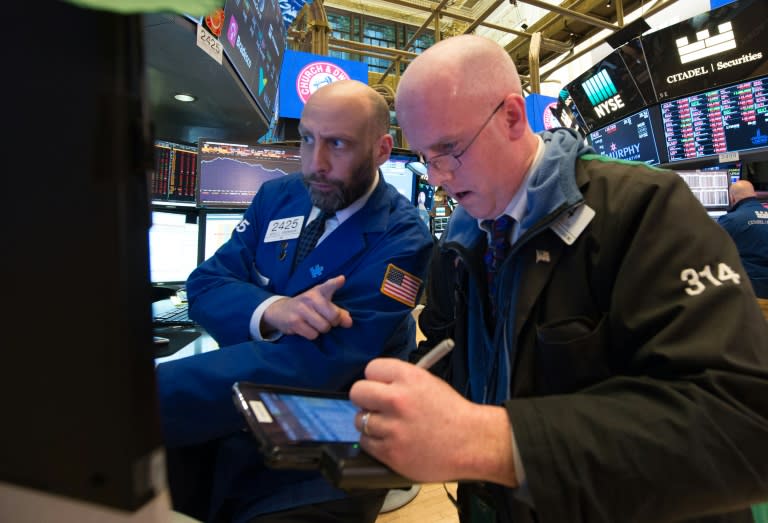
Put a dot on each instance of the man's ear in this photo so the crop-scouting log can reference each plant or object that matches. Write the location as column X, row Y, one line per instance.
column 514, row 115
column 384, row 148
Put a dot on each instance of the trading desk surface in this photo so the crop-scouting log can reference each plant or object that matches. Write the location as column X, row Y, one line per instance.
column 183, row 341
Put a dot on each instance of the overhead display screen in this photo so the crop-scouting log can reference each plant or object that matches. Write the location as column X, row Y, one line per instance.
column 230, row 174
column 726, row 45
column 631, row 139
column 633, row 55
column 567, row 114
column 254, row 40
column 733, row 118
column 605, row 93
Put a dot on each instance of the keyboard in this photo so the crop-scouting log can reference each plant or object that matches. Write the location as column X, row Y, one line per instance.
column 178, row 316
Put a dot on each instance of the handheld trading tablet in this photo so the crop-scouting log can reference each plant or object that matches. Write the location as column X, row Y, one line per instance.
column 311, row 430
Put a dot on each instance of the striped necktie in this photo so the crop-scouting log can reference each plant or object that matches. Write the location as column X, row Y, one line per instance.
column 309, row 236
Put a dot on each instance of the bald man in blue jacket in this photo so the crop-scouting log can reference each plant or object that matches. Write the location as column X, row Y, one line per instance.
column 311, row 323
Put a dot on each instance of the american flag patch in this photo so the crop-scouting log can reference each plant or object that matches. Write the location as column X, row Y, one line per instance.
column 400, row 285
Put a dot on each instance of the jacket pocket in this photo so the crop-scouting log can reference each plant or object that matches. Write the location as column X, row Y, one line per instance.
column 571, row 354
column 260, row 280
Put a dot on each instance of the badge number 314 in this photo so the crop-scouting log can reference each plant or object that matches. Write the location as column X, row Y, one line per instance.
column 696, row 280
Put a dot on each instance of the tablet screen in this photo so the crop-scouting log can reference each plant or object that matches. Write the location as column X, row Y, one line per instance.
column 309, row 418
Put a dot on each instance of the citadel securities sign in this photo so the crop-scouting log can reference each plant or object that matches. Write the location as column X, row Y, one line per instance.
column 315, row 75
column 722, row 46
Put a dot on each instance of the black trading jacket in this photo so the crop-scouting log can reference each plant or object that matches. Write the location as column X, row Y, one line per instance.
column 640, row 382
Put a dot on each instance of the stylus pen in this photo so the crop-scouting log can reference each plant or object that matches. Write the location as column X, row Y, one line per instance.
column 436, row 354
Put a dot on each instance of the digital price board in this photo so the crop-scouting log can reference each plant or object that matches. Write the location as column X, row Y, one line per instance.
column 733, row 118
column 254, row 40
column 631, row 138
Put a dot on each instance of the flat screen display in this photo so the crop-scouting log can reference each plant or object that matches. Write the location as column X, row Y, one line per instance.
column 174, row 177
column 605, row 93
column 568, row 115
column 733, row 118
column 313, row 418
column 709, row 187
column 254, row 41
column 217, row 229
column 725, row 45
column 173, row 240
column 398, row 175
column 633, row 55
column 631, row 138
column 230, row 174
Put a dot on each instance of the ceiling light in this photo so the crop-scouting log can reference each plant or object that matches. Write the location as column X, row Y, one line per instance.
column 608, row 3
column 184, row 97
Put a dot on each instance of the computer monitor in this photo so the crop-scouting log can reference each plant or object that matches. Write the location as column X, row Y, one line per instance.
column 631, row 138
column 728, row 119
column 173, row 250
column 398, row 175
column 230, row 174
column 709, row 186
column 215, row 229
column 174, row 177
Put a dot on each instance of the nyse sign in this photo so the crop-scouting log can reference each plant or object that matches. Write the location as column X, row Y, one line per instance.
column 609, row 106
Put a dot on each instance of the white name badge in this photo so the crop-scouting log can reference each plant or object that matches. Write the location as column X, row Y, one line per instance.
column 570, row 226
column 283, row 229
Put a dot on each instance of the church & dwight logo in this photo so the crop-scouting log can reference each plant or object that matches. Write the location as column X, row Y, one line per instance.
column 315, row 75
column 602, row 94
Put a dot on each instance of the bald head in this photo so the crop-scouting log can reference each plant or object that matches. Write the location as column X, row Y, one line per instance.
column 460, row 68
column 462, row 97
column 740, row 190
column 357, row 96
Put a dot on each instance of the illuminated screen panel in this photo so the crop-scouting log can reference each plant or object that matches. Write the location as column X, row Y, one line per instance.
column 567, row 114
column 173, row 241
column 230, row 175
column 218, row 229
column 709, row 187
column 631, row 138
column 397, row 174
column 729, row 119
column 605, row 93
column 254, row 40
column 174, row 177
column 712, row 49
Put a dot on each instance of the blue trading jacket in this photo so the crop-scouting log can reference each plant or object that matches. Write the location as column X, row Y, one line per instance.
column 195, row 392
column 747, row 223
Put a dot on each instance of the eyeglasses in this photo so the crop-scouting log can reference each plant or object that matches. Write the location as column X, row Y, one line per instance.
column 450, row 161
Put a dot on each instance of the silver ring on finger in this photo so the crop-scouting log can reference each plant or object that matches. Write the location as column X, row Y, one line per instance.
column 364, row 422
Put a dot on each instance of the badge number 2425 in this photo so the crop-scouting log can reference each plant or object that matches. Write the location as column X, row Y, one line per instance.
column 697, row 280
column 284, row 229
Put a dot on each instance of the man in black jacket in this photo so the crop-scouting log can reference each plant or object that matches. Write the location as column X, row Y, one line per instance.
column 612, row 366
